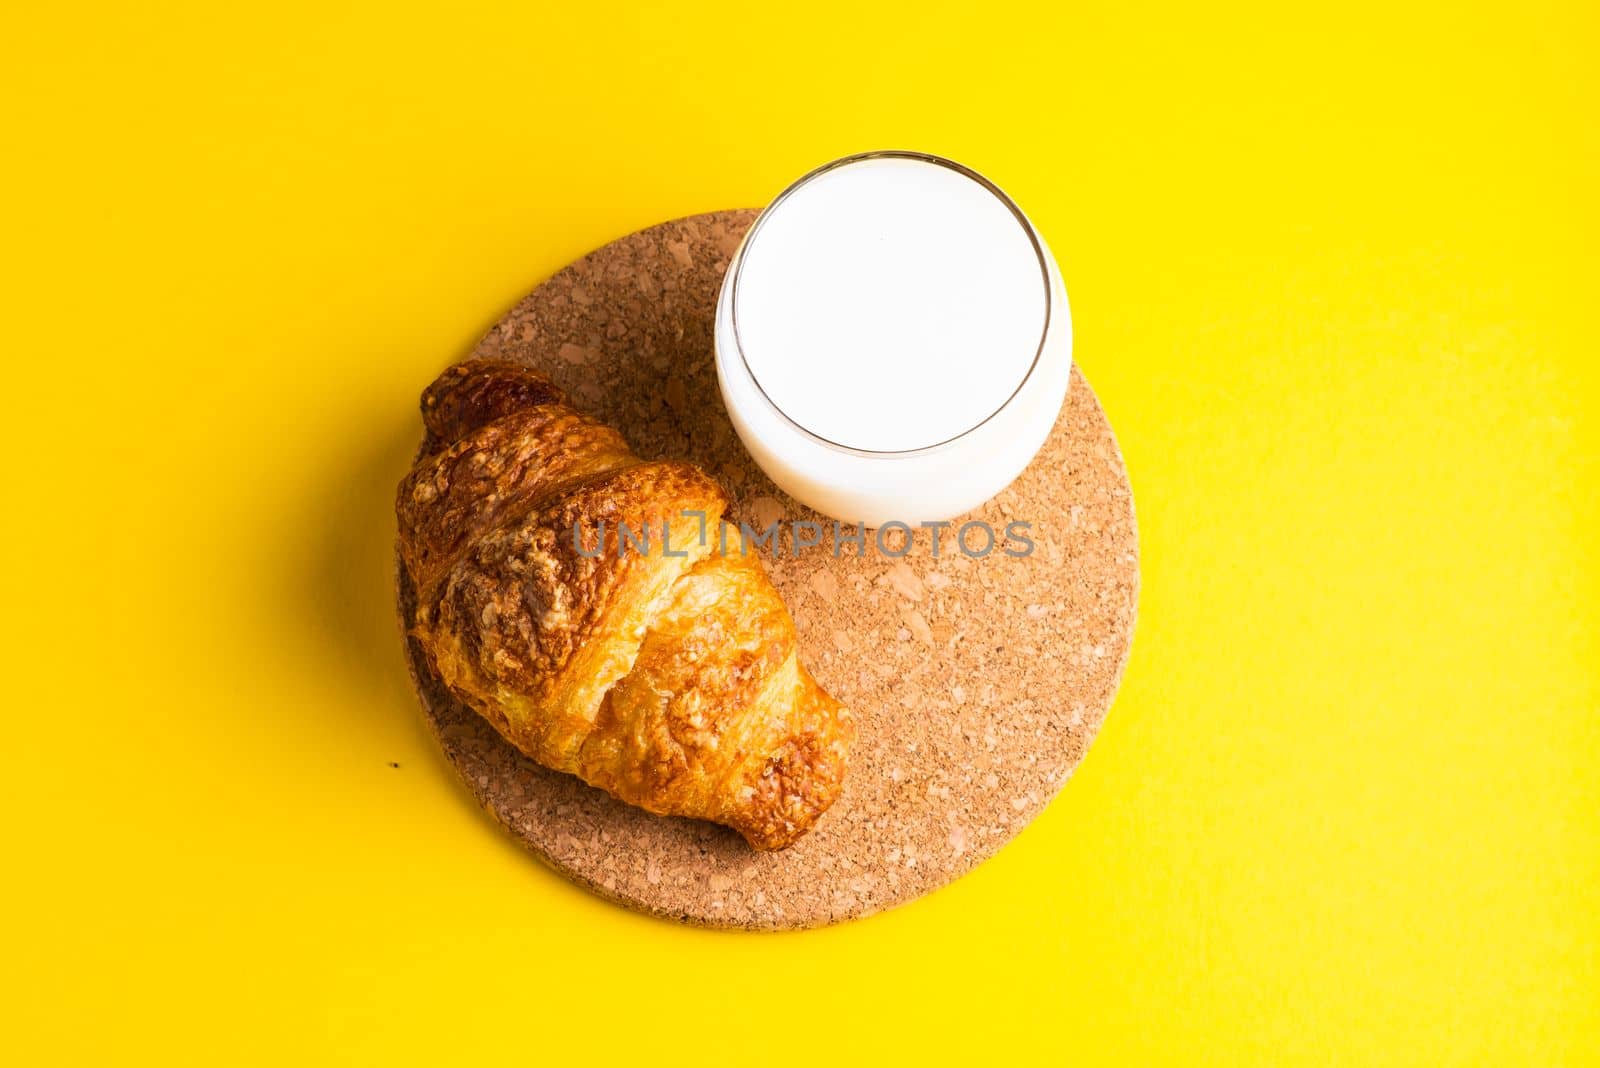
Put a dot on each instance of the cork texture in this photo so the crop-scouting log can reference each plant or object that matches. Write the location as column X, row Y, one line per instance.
column 977, row 683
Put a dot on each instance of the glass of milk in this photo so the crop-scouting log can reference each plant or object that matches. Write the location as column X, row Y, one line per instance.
column 893, row 340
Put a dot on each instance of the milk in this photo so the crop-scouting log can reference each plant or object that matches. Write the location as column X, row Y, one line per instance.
column 893, row 340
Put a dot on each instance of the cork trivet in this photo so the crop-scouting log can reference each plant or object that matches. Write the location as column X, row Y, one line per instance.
column 977, row 684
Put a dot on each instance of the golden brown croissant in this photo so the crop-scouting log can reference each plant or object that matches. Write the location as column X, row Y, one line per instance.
column 670, row 681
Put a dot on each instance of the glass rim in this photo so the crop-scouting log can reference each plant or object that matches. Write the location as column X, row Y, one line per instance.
column 919, row 157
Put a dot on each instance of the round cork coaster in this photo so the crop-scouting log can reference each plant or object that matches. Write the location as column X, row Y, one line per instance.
column 977, row 682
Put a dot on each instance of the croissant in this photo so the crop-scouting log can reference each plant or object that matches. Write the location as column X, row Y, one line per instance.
column 665, row 673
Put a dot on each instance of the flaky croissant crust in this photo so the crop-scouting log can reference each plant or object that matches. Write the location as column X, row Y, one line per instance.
column 673, row 682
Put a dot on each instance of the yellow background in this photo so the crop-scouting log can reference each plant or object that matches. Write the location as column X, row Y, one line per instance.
column 1334, row 275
